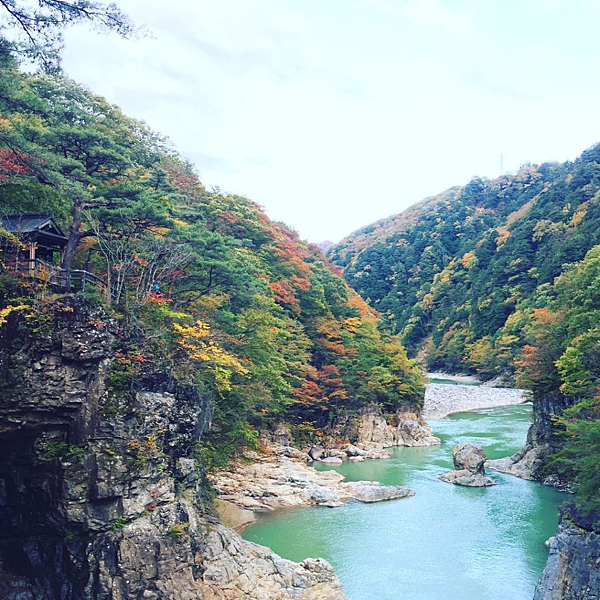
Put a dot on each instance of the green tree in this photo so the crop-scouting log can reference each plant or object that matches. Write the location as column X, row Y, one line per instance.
column 36, row 31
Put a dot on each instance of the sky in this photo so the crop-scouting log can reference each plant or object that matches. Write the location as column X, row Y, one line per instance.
column 332, row 114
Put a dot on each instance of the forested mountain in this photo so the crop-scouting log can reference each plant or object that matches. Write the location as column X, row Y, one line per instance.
column 466, row 272
column 205, row 286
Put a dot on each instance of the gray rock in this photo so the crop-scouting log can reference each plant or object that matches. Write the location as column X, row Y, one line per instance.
column 331, row 460
column 573, row 568
column 354, row 451
column 469, row 457
column 336, row 453
column 469, row 461
column 325, row 497
column 316, row 452
column 119, row 504
column 466, row 478
column 527, row 463
column 367, row 492
column 375, row 431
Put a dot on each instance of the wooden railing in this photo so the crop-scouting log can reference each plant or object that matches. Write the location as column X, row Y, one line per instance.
column 76, row 280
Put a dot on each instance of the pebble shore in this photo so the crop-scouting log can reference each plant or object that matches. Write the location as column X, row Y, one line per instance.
column 442, row 400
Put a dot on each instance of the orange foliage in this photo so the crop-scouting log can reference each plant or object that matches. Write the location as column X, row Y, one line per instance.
column 284, row 294
column 355, row 301
column 300, row 283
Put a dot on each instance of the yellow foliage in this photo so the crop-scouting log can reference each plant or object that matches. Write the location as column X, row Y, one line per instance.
column 352, row 324
column 5, row 312
column 503, row 235
column 193, row 339
column 578, row 217
column 179, row 222
column 427, row 301
column 159, row 232
column 468, row 260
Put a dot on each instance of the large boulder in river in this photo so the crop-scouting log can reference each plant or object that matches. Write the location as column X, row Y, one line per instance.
column 370, row 491
column 469, row 461
column 469, row 457
column 331, row 460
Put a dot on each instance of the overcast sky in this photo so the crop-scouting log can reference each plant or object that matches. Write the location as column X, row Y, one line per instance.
column 334, row 113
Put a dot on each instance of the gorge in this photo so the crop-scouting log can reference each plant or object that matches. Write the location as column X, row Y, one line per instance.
column 184, row 379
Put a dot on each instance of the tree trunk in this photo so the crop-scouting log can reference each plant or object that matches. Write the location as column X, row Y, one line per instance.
column 73, row 240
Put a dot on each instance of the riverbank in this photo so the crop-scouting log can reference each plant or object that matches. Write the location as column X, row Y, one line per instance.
column 442, row 400
column 279, row 477
column 494, row 535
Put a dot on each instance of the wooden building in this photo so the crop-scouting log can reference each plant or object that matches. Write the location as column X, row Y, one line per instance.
column 41, row 239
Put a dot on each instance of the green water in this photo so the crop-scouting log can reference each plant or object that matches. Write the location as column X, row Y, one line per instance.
column 445, row 543
column 451, row 381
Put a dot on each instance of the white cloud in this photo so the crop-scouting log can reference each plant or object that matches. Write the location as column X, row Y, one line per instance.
column 332, row 114
column 432, row 13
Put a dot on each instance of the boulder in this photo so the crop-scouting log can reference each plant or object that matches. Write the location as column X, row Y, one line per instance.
column 352, row 450
column 292, row 452
column 325, row 497
column 337, row 453
column 469, row 457
column 370, row 492
column 316, row 452
column 469, row 461
column 331, row 460
column 412, row 433
column 466, row 478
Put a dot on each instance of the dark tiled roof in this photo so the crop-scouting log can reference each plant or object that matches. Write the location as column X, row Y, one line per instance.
column 30, row 223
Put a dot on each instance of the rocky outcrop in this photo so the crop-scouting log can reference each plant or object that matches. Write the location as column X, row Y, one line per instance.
column 528, row 462
column 573, row 568
column 469, row 470
column 369, row 491
column 101, row 494
column 443, row 399
column 374, row 431
column 272, row 479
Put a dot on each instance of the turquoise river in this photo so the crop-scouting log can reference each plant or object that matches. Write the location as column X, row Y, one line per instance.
column 446, row 542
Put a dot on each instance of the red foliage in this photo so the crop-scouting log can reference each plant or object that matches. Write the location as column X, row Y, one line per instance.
column 12, row 164
column 288, row 247
column 300, row 283
column 157, row 298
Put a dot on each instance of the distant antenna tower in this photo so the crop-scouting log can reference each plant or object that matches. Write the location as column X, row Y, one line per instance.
column 501, row 163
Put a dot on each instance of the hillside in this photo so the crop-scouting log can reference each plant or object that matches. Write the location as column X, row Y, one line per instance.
column 465, row 270
column 220, row 296
column 162, row 335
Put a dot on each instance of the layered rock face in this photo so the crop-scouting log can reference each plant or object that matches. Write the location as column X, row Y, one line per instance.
column 573, row 568
column 101, row 496
column 528, row 462
column 469, row 467
column 373, row 430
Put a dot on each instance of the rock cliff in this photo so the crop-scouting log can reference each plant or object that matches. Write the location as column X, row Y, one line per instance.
column 573, row 568
column 101, row 494
column 528, row 462
column 405, row 428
